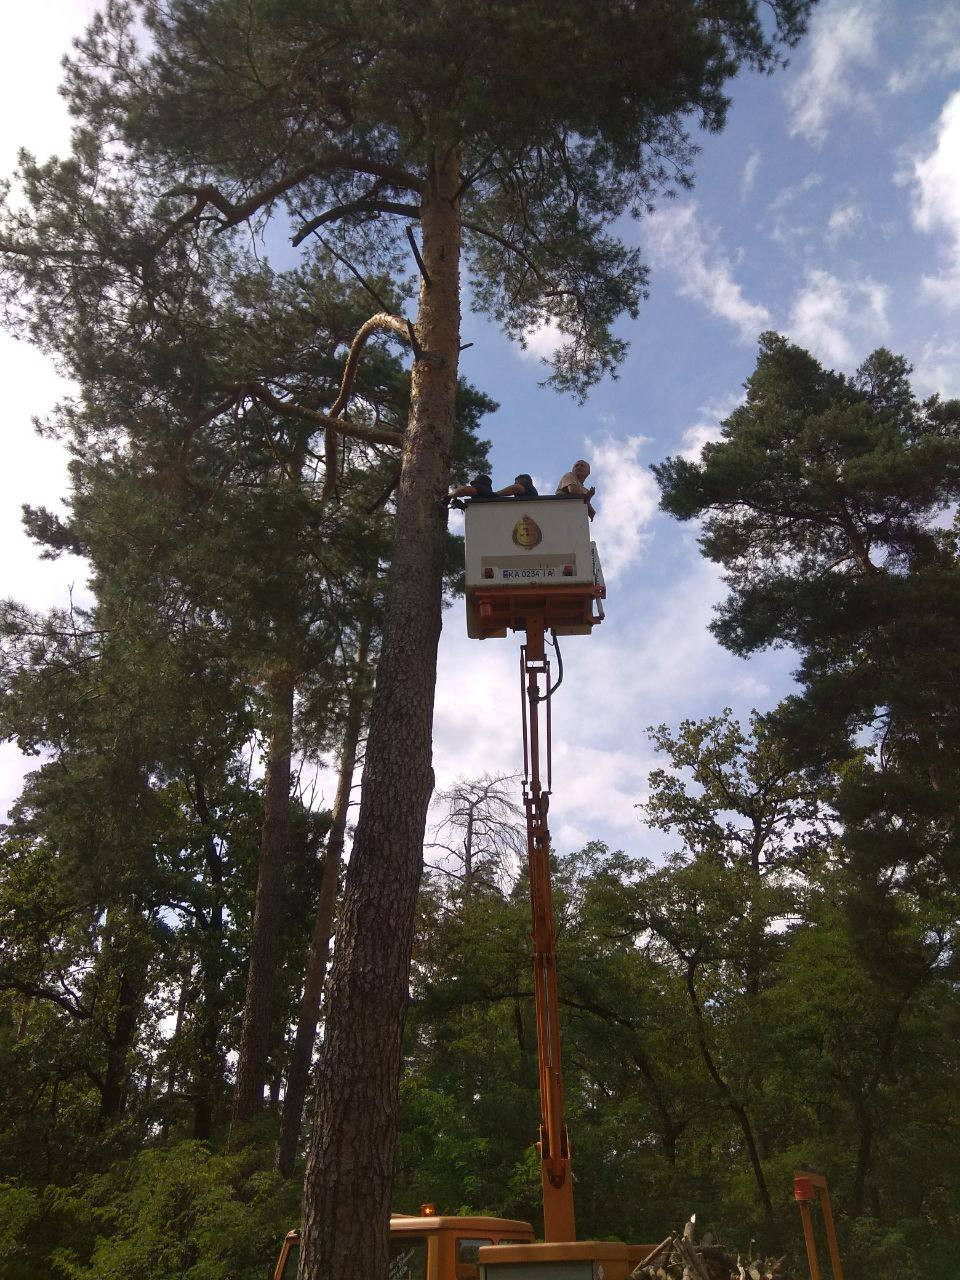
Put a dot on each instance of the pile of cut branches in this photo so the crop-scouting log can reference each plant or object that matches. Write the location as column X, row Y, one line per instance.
column 679, row 1257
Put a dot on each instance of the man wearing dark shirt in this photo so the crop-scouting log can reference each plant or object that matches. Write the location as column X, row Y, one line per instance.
column 522, row 487
column 480, row 489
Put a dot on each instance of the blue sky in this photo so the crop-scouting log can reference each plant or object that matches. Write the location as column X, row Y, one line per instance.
column 829, row 209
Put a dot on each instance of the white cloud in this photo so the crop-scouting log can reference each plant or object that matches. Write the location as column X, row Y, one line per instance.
column 653, row 659
column 677, row 241
column 828, row 312
column 789, row 194
column 695, row 437
column 541, row 342
column 751, row 687
column 36, row 473
column 786, row 230
column 936, row 207
column 626, row 501
column 749, row 175
column 938, row 369
column 706, row 429
column 843, row 221
column 35, row 38
column 597, row 789
column 937, row 30
column 842, row 39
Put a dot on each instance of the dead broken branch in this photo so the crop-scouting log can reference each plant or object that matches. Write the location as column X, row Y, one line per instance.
column 382, row 322
column 679, row 1257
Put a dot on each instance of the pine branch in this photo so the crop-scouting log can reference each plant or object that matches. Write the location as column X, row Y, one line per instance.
column 354, row 430
column 41, row 253
column 235, row 213
column 511, row 247
column 339, row 211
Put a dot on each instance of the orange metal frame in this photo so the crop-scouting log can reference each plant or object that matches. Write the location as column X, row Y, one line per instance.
column 554, row 1144
column 500, row 609
column 808, row 1187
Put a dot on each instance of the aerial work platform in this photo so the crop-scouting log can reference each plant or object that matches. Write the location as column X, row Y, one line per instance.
column 531, row 556
column 531, row 567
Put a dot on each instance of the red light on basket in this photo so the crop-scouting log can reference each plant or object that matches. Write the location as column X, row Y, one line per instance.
column 488, row 573
column 568, row 570
column 803, row 1189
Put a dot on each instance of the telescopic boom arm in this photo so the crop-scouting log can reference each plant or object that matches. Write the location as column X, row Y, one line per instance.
column 554, row 1145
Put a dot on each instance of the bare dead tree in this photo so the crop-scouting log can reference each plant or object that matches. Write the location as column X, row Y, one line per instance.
column 481, row 829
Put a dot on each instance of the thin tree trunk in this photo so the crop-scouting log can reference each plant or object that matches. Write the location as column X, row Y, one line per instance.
column 172, row 1046
column 468, row 852
column 346, row 1205
column 208, row 1085
column 671, row 1128
column 258, row 1005
column 302, row 1055
column 864, row 1166
column 734, row 1105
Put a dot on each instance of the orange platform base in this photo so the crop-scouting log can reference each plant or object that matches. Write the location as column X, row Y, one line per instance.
column 568, row 610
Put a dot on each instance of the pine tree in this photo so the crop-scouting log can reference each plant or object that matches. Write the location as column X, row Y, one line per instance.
column 823, row 501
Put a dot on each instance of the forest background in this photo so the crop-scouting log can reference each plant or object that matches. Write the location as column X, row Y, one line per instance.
column 857, row 1077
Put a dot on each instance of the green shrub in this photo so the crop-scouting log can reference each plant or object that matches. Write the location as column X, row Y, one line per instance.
column 175, row 1213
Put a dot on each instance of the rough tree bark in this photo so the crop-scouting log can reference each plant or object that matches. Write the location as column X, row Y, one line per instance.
column 302, row 1055
column 346, row 1204
column 265, row 934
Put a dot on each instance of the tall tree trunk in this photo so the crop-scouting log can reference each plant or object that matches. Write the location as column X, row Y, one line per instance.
column 208, row 1082
column 265, row 935
column 131, row 966
column 302, row 1055
column 346, row 1204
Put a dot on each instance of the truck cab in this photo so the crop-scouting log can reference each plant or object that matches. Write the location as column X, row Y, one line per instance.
column 429, row 1246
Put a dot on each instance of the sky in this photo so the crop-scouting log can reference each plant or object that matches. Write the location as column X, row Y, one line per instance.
column 828, row 210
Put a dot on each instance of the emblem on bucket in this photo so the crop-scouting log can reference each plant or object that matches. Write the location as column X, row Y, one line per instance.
column 526, row 532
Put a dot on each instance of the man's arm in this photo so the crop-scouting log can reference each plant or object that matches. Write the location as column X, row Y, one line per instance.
column 464, row 491
column 571, row 487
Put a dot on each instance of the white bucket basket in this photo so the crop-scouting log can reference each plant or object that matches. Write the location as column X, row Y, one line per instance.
column 531, row 554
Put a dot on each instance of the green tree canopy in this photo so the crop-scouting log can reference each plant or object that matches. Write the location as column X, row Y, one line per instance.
column 355, row 122
column 824, row 501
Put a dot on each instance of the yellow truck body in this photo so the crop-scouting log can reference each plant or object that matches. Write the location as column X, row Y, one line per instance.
column 429, row 1247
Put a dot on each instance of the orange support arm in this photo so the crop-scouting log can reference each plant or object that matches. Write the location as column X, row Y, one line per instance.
column 555, row 1176
column 808, row 1187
